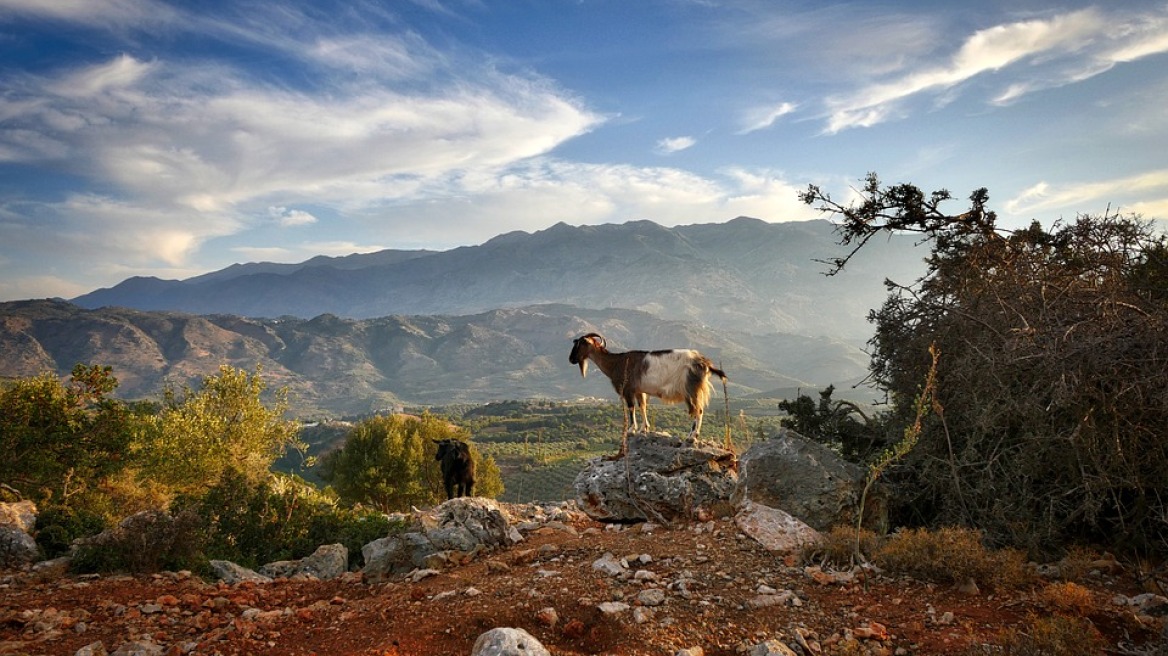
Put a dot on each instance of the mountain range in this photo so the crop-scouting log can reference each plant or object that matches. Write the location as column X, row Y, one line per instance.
column 358, row 334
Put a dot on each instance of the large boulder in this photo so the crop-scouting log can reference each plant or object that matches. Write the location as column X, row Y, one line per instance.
column 662, row 478
column 454, row 531
column 809, row 481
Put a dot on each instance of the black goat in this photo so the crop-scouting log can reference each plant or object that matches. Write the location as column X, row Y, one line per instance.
column 458, row 468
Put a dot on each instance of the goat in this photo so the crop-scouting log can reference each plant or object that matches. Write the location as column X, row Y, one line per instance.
column 673, row 376
column 458, row 468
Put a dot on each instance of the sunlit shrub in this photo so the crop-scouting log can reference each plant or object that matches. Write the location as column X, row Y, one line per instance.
column 951, row 555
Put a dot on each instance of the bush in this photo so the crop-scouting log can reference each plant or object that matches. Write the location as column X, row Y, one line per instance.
column 282, row 518
column 1069, row 598
column 145, row 542
column 837, row 547
column 951, row 555
column 1057, row 635
column 59, row 525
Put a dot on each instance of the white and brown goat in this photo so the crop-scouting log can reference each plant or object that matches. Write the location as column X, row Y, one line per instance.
column 673, row 376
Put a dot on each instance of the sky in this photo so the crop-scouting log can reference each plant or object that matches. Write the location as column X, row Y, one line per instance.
column 170, row 139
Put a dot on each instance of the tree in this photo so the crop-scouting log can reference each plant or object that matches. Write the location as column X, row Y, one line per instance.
column 388, row 463
column 835, row 423
column 61, row 440
column 224, row 425
column 1050, row 394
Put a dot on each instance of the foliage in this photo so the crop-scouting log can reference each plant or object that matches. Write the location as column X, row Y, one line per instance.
column 388, row 463
column 951, row 555
column 59, row 440
column 838, row 546
column 1068, row 597
column 225, row 425
column 149, row 541
column 1057, row 635
column 59, row 525
column 280, row 518
column 1052, row 384
column 834, row 423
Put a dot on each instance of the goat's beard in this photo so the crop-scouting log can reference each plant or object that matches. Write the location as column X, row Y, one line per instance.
column 584, row 368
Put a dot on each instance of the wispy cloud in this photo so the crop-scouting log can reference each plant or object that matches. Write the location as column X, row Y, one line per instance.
column 764, row 117
column 673, row 144
column 1100, row 194
column 1059, row 50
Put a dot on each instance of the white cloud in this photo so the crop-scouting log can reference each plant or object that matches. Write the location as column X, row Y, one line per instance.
column 1060, row 50
column 764, row 117
column 1082, row 197
column 674, row 144
column 100, row 13
column 290, row 218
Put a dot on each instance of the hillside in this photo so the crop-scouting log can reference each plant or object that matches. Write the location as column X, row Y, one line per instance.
column 701, row 586
column 342, row 366
column 744, row 275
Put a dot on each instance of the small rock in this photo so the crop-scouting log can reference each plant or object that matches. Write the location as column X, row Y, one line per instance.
column 611, row 608
column 771, row 648
column 651, row 597
column 609, row 564
column 691, row 651
column 92, row 649
column 508, row 642
column 641, row 614
column 548, row 617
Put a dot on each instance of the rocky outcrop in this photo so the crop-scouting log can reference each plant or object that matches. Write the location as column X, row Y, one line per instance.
column 453, row 532
column 17, row 546
column 662, row 479
column 775, row 529
column 809, row 481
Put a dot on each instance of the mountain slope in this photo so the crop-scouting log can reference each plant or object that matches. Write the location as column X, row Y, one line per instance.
column 745, row 275
column 337, row 366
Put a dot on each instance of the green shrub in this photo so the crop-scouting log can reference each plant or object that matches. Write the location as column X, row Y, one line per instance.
column 59, row 525
column 1057, row 635
column 145, row 542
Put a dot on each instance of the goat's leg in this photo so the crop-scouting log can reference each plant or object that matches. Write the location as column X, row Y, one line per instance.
column 645, row 411
column 697, row 426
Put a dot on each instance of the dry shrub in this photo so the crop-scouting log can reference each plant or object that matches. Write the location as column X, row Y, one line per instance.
column 1068, row 597
column 951, row 555
column 838, row 546
column 1077, row 563
column 1057, row 635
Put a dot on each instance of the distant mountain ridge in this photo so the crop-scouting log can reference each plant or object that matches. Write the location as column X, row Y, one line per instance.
column 745, row 274
column 336, row 366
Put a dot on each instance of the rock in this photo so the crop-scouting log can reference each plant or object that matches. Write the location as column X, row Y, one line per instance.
column 17, row 548
column 642, row 614
column 611, row 608
column 92, row 649
column 774, row 529
column 326, row 563
column 138, row 648
column 230, row 573
column 20, row 514
column 508, row 642
column 771, row 648
column 548, row 617
column 609, row 564
column 651, row 597
column 451, row 532
column 691, row 651
column 808, row 481
column 672, row 479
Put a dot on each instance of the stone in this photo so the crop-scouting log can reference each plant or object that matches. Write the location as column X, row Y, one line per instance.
column 92, row 649
column 774, row 529
column 138, row 648
column 609, row 565
column 452, row 532
column 671, row 479
column 508, row 642
column 771, row 648
column 651, row 597
column 548, row 617
column 326, row 563
column 808, row 481
column 17, row 548
column 611, row 608
column 230, row 573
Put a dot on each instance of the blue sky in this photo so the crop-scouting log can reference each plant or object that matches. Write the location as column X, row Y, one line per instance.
column 144, row 137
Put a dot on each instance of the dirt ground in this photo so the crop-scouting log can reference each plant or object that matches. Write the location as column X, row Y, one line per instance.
column 715, row 589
